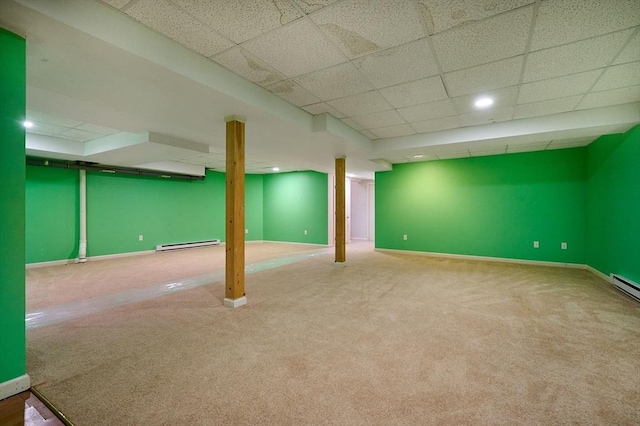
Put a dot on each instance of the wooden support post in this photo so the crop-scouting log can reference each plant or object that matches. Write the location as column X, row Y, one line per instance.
column 341, row 251
column 234, row 279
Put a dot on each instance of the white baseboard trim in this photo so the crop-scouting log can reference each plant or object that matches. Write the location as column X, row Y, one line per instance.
column 117, row 255
column 291, row 242
column 14, row 386
column 50, row 263
column 597, row 273
column 486, row 258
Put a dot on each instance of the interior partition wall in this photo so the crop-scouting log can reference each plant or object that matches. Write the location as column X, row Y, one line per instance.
column 493, row 206
column 613, row 208
column 13, row 378
column 128, row 214
column 296, row 207
column 498, row 206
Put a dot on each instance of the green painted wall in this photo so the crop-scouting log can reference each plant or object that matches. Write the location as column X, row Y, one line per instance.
column 163, row 211
column 12, row 206
column 120, row 208
column 52, row 217
column 295, row 202
column 254, row 203
column 487, row 206
column 613, row 208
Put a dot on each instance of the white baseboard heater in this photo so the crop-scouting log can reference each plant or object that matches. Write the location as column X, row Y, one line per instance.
column 180, row 246
column 626, row 286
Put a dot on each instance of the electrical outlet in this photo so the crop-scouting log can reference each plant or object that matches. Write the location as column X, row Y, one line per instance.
column 140, row 238
column 404, row 237
column 563, row 246
column 536, row 244
column 246, row 231
column 305, row 232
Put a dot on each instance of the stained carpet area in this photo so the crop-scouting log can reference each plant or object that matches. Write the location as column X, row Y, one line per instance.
column 391, row 339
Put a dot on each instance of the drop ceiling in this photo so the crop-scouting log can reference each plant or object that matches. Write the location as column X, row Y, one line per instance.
column 379, row 82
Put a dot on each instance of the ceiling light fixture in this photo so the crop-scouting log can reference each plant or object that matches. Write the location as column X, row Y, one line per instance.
column 418, row 156
column 276, row 169
column 483, row 102
column 27, row 124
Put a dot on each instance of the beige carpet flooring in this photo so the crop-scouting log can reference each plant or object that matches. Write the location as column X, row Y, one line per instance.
column 390, row 339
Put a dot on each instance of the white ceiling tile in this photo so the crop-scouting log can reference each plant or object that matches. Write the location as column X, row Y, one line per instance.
column 501, row 98
column 478, row 118
column 419, row 157
column 379, row 119
column 322, row 107
column 496, row 38
column 293, row 92
column 295, row 49
column 97, row 129
column 335, row 82
column 560, row 87
column 484, row 152
column 80, row 135
column 369, row 134
column 452, row 155
column 349, row 122
column 428, row 111
column 552, row 147
column 631, row 52
column 619, row 76
column 248, row 66
column 564, row 21
column 416, row 92
column 170, row 20
column 48, row 129
column 436, row 125
column 362, row 103
column 52, row 119
column 574, row 57
column 242, row 20
column 440, row 15
column 309, row 6
column 611, row 97
column 360, row 27
column 553, row 106
column 484, row 77
column 393, row 131
column 569, row 143
column 116, row 3
column 511, row 149
column 409, row 62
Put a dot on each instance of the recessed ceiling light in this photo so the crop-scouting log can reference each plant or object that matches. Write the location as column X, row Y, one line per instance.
column 483, row 102
column 418, row 156
column 27, row 124
column 276, row 169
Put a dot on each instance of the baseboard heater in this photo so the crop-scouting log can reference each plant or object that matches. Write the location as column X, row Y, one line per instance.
column 626, row 286
column 180, row 246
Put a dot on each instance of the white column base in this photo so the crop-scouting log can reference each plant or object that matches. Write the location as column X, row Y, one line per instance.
column 14, row 386
column 340, row 264
column 235, row 303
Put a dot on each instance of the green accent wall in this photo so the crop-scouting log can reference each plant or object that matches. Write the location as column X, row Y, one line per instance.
column 494, row 206
column 52, row 214
column 254, row 203
column 163, row 211
column 121, row 207
column 12, row 206
column 613, row 209
column 295, row 202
